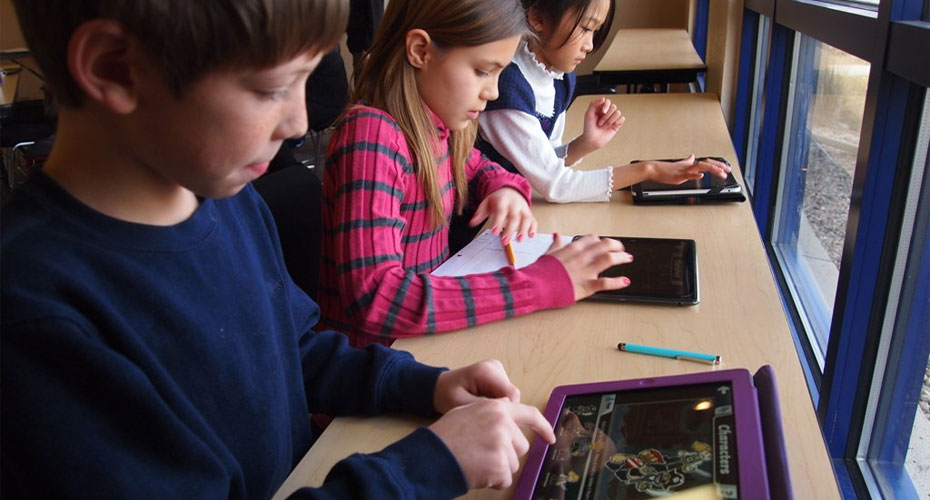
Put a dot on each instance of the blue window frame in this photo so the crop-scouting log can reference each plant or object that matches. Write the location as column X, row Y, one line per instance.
column 754, row 56
column 905, row 343
column 701, row 16
column 772, row 124
column 877, row 342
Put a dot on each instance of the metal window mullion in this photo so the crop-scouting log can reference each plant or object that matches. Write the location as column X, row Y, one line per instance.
column 901, row 259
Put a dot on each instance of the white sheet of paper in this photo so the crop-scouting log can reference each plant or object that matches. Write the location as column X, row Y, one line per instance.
column 485, row 254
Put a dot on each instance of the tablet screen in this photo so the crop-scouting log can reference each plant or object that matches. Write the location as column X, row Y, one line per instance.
column 662, row 270
column 643, row 443
column 705, row 183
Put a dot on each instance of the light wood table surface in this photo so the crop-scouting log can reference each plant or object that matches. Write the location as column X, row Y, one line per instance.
column 649, row 56
column 739, row 317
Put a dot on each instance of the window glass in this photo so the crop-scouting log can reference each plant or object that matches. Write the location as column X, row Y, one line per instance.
column 757, row 104
column 918, row 449
column 826, row 101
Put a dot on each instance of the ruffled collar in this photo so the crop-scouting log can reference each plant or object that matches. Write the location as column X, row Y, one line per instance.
column 529, row 57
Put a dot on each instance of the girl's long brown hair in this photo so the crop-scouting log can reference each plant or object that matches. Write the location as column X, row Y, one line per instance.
column 387, row 79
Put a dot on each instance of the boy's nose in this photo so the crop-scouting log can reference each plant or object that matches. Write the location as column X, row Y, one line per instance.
column 294, row 122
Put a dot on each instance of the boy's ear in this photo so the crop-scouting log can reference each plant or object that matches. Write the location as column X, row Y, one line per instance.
column 418, row 43
column 101, row 58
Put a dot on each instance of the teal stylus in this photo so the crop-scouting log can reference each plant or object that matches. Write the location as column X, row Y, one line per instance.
column 670, row 353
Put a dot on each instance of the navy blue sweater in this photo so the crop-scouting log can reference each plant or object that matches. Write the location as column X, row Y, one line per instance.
column 179, row 362
column 517, row 93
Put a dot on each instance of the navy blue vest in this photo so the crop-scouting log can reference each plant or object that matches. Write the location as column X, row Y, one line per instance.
column 516, row 93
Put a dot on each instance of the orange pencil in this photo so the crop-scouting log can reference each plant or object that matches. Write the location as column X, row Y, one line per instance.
column 511, row 258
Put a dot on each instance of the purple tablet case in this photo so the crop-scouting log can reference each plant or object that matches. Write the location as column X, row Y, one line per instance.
column 762, row 461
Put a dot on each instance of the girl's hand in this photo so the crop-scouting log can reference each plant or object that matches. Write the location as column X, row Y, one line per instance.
column 602, row 121
column 683, row 170
column 587, row 257
column 509, row 213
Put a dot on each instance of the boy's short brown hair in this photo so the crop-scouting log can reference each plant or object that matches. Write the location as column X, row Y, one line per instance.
column 187, row 38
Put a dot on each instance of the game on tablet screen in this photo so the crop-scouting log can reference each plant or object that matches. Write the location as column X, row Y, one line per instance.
column 643, row 444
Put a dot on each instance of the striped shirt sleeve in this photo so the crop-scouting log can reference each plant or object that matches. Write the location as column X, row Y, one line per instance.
column 380, row 245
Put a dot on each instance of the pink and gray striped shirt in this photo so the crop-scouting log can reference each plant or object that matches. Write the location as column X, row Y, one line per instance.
column 379, row 243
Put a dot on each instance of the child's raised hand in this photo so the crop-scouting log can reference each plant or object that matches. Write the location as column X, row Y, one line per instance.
column 465, row 385
column 602, row 121
column 587, row 257
column 509, row 213
column 683, row 170
column 485, row 438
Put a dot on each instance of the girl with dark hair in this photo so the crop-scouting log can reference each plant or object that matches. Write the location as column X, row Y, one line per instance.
column 523, row 129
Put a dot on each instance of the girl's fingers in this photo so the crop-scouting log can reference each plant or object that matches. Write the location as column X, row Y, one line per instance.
column 609, row 113
column 689, row 160
column 497, row 225
column 606, row 109
column 509, row 226
column 481, row 213
column 556, row 243
column 617, row 119
column 615, row 283
column 525, row 227
column 619, row 124
column 717, row 168
column 693, row 172
column 612, row 245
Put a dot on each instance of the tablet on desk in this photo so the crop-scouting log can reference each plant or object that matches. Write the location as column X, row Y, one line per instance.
column 699, row 435
column 708, row 188
column 663, row 270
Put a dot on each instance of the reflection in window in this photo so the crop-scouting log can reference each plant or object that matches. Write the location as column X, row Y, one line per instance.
column 825, row 119
column 757, row 104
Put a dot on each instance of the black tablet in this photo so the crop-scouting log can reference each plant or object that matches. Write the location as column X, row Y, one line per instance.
column 664, row 270
column 699, row 433
column 708, row 188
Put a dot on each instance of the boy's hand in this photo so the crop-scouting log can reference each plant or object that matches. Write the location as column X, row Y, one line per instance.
column 509, row 213
column 587, row 257
column 484, row 379
column 485, row 438
column 683, row 170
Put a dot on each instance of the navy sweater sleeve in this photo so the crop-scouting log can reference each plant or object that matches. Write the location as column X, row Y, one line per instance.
column 100, row 425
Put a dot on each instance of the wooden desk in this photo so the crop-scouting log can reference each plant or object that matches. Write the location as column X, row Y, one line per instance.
column 649, row 56
column 739, row 317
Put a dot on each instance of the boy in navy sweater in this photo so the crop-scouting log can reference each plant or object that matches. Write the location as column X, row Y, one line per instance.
column 153, row 344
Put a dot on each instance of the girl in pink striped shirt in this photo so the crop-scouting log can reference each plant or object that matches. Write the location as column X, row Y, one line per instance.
column 403, row 159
